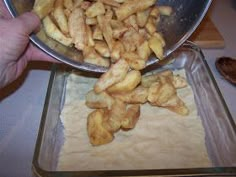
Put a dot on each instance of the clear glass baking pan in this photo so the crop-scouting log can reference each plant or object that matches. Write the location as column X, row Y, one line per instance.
column 220, row 129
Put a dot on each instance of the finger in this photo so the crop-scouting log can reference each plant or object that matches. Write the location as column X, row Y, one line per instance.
column 26, row 23
column 38, row 55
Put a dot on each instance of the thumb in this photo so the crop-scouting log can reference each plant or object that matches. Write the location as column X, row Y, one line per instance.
column 26, row 23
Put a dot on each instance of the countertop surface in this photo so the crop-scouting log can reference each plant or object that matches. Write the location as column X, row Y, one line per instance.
column 21, row 104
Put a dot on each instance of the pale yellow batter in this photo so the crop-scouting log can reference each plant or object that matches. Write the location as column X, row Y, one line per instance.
column 160, row 140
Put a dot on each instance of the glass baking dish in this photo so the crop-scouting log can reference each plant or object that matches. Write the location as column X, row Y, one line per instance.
column 220, row 129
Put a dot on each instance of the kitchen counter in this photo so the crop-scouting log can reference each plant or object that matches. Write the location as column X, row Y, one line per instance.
column 21, row 104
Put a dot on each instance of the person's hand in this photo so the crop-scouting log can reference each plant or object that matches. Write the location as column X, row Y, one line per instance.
column 15, row 49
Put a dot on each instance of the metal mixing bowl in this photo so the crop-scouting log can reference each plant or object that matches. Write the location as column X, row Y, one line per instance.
column 176, row 30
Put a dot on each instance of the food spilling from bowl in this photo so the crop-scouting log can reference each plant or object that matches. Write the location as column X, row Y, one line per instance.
column 122, row 35
column 119, row 35
column 106, row 31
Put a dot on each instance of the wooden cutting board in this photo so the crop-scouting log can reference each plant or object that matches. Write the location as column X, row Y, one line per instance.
column 207, row 35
